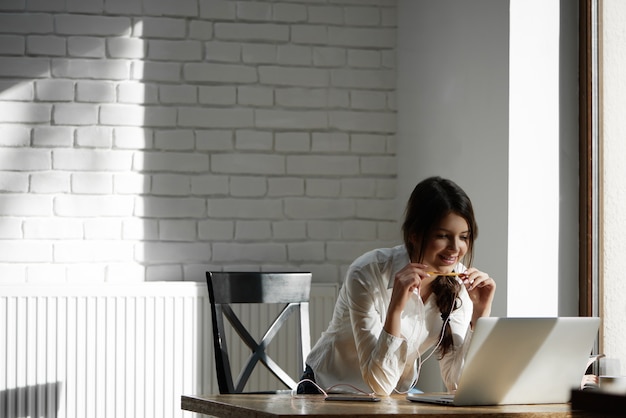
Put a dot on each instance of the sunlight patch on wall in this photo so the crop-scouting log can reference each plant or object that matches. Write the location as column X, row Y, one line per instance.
column 533, row 159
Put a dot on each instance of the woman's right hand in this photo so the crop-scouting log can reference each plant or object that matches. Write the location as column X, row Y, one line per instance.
column 406, row 282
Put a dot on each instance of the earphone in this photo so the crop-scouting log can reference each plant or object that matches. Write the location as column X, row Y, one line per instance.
column 421, row 361
column 415, row 324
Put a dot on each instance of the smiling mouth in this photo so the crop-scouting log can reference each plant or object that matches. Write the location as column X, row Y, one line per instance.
column 448, row 259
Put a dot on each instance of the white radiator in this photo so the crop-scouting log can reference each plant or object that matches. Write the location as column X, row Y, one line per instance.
column 123, row 351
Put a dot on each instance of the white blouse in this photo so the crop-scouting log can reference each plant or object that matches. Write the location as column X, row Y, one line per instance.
column 356, row 350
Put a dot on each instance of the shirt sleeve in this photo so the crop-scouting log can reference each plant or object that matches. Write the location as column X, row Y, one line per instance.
column 382, row 356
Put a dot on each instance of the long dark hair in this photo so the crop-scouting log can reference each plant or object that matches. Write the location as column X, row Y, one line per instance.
column 432, row 200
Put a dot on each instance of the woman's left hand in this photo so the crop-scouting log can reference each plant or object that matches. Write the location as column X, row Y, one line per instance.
column 481, row 289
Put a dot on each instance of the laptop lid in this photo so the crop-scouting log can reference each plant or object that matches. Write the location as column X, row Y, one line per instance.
column 525, row 360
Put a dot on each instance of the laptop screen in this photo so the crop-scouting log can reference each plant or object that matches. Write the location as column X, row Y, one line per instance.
column 525, row 360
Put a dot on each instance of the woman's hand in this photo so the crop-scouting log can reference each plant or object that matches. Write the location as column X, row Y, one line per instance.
column 481, row 289
column 406, row 281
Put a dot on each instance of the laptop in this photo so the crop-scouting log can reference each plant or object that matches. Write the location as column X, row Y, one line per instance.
column 522, row 361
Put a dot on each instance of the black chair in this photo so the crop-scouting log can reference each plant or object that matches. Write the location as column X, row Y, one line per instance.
column 226, row 288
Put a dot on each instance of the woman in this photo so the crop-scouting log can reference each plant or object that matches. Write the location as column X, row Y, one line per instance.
column 398, row 306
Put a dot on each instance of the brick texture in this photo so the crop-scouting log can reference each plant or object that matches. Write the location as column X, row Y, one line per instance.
column 149, row 139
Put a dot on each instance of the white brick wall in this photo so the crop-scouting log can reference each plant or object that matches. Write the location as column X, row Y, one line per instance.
column 154, row 139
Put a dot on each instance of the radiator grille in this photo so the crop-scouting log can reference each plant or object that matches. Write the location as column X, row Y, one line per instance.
column 118, row 350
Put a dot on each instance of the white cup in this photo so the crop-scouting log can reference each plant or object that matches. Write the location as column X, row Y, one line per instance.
column 612, row 384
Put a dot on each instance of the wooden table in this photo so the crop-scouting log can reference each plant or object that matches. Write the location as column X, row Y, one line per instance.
column 286, row 406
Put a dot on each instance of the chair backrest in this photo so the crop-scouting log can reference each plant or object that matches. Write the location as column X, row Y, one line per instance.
column 226, row 288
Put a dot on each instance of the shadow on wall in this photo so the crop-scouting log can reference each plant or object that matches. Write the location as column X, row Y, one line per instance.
column 253, row 154
column 39, row 401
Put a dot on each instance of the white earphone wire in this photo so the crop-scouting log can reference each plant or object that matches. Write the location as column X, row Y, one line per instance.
column 421, row 361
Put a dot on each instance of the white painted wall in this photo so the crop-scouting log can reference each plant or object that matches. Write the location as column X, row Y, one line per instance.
column 613, row 223
column 151, row 140
column 253, row 135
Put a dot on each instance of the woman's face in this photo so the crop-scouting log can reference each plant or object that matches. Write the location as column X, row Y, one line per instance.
column 447, row 244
